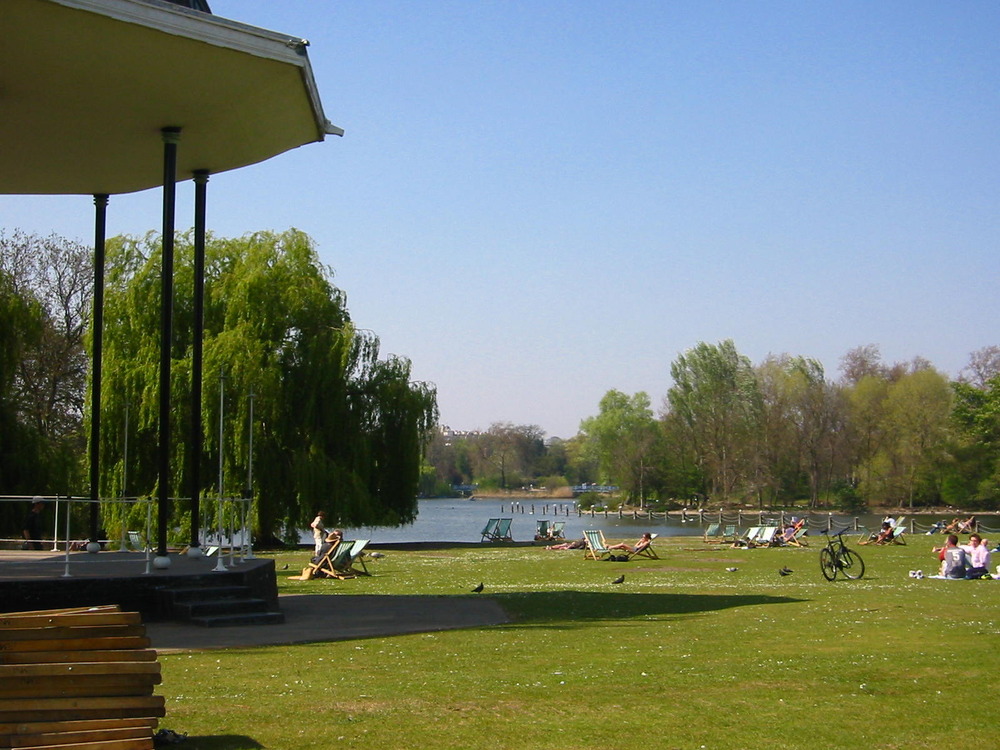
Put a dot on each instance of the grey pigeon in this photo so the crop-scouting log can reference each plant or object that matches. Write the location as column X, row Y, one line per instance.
column 619, row 579
column 478, row 589
column 731, row 570
column 285, row 566
column 784, row 572
column 376, row 555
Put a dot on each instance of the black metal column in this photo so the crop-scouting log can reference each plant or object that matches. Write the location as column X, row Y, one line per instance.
column 100, row 235
column 197, row 437
column 171, row 136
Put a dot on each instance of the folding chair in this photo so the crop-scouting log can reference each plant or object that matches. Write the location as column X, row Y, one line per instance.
column 489, row 530
column 748, row 537
column 597, row 547
column 358, row 557
column 764, row 538
column 502, row 533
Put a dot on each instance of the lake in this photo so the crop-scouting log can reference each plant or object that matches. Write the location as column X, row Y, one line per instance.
column 462, row 520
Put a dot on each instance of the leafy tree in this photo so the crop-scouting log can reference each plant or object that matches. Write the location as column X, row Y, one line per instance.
column 53, row 278
column 716, row 399
column 623, row 438
column 974, row 473
column 509, row 449
column 20, row 444
column 335, row 426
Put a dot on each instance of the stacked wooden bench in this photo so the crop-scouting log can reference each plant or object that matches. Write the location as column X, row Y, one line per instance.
column 77, row 679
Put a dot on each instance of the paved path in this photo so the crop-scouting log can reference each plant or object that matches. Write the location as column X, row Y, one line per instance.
column 311, row 618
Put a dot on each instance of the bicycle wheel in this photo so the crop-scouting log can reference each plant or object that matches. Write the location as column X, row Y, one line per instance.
column 851, row 564
column 828, row 564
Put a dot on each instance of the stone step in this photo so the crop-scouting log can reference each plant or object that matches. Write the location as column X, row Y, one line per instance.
column 245, row 618
column 195, row 593
column 192, row 609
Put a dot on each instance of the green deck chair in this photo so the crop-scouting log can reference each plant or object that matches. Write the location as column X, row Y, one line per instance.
column 503, row 530
column 490, row 529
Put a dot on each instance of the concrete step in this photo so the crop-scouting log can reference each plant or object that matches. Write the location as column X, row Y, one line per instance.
column 196, row 593
column 245, row 618
column 192, row 609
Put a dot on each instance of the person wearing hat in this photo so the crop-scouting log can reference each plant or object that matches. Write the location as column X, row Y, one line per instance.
column 32, row 531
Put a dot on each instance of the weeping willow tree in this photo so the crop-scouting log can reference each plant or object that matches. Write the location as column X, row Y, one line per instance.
column 333, row 425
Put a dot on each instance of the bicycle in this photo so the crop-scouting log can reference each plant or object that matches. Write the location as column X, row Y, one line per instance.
column 837, row 558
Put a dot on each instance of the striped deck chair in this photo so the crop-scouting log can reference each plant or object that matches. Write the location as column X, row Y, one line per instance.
column 797, row 539
column 713, row 532
column 334, row 561
column 557, row 529
column 358, row 557
column 597, row 547
column 748, row 537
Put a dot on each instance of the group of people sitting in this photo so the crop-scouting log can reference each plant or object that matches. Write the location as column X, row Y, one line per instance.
column 970, row 560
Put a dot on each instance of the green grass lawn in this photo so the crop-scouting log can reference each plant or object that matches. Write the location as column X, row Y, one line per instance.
column 682, row 655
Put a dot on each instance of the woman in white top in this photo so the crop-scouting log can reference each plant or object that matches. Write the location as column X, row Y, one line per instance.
column 318, row 531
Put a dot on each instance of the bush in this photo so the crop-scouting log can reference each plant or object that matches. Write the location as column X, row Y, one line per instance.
column 847, row 498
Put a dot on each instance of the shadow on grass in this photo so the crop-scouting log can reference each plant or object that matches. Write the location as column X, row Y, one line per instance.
column 221, row 742
column 589, row 606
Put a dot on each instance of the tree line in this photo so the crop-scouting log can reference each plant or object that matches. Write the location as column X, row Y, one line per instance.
column 332, row 424
column 776, row 433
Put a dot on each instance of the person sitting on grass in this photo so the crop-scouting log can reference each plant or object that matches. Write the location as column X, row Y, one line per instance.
column 978, row 555
column 644, row 541
column 953, row 558
column 575, row 544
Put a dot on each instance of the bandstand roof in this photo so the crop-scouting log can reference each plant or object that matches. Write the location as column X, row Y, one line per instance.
column 87, row 85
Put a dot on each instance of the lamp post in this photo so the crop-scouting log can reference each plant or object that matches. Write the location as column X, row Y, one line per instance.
column 219, row 565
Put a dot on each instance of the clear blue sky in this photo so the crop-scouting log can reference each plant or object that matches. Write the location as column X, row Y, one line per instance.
column 540, row 201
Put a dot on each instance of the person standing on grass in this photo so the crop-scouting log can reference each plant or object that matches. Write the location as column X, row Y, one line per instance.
column 319, row 532
column 32, row 531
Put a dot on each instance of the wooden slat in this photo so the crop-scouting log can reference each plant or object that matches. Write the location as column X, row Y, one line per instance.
column 24, row 727
column 42, row 657
column 96, row 685
column 100, row 644
column 137, row 744
column 78, row 669
column 67, row 610
column 59, row 633
column 50, row 709
column 90, row 735
column 69, row 620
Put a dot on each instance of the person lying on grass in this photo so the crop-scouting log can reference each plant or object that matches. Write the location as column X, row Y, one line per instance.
column 575, row 544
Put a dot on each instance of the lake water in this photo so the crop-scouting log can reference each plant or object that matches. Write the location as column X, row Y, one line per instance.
column 462, row 520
